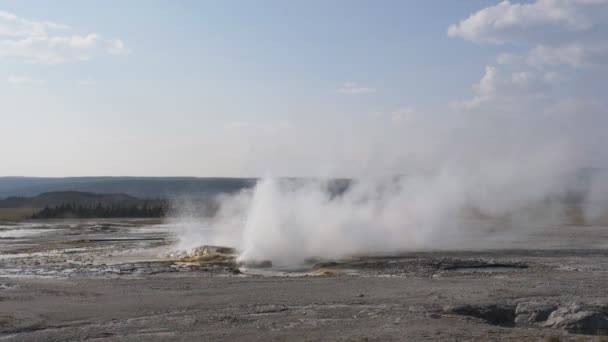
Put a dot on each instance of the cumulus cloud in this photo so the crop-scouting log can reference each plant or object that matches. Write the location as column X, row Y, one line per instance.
column 577, row 55
column 569, row 32
column 51, row 43
column 514, row 90
column 553, row 34
column 538, row 96
column 542, row 20
column 354, row 88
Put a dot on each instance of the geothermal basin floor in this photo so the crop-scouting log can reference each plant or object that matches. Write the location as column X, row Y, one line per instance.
column 115, row 280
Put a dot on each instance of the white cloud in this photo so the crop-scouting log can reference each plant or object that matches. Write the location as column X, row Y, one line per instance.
column 576, row 55
column 541, row 20
column 46, row 42
column 509, row 58
column 539, row 95
column 403, row 114
column 354, row 88
column 117, row 47
column 20, row 81
column 512, row 90
column 12, row 25
column 571, row 106
column 569, row 32
column 551, row 77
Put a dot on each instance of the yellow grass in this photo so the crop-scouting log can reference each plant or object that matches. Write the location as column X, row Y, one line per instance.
column 16, row 214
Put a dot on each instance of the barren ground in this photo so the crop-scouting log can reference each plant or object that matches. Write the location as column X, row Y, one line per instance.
column 109, row 280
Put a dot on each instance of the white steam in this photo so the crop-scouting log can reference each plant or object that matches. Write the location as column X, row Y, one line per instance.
column 489, row 172
column 485, row 182
column 288, row 221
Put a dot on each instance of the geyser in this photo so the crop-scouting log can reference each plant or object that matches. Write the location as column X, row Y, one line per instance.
column 287, row 221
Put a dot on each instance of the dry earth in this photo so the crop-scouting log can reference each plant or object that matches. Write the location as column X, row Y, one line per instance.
column 114, row 280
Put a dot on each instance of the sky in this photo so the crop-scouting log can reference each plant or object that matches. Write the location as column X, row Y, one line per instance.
column 297, row 88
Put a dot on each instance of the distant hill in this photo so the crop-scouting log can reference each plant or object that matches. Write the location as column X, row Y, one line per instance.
column 75, row 204
column 86, row 199
column 142, row 187
column 167, row 187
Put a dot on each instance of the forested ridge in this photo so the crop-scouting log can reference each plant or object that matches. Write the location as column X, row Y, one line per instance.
column 69, row 210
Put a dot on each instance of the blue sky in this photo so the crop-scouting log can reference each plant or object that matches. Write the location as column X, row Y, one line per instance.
column 222, row 88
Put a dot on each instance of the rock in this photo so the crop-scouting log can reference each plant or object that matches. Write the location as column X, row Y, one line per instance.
column 213, row 255
column 503, row 315
column 270, row 308
column 417, row 309
column 532, row 312
column 576, row 319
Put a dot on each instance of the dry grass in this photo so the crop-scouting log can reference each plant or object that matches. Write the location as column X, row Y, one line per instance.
column 16, row 214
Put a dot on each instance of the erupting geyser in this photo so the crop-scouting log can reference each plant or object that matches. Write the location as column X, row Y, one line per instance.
column 289, row 221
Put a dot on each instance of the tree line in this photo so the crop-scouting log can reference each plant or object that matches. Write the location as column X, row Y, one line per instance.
column 70, row 210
